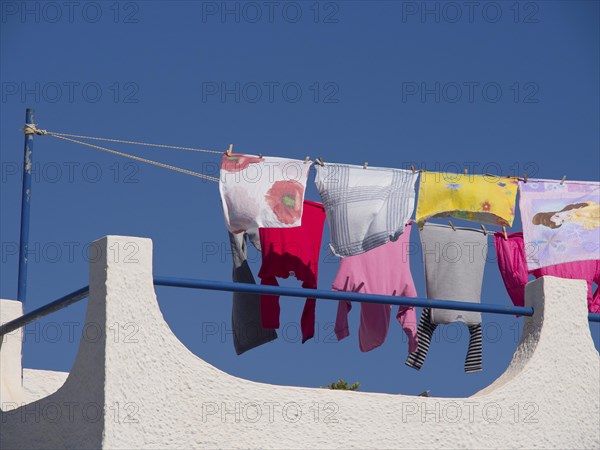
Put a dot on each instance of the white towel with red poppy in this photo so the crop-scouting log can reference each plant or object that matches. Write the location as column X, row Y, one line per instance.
column 262, row 192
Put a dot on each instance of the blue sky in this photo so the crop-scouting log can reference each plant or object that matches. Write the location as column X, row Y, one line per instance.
column 504, row 88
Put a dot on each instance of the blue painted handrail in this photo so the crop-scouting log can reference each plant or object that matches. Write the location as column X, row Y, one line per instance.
column 82, row 293
column 42, row 311
column 338, row 295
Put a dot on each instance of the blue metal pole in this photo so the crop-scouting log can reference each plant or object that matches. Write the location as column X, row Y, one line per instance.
column 25, row 207
column 337, row 295
column 43, row 311
column 82, row 293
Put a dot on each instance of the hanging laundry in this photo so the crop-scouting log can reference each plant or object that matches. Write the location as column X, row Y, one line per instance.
column 262, row 191
column 292, row 252
column 454, row 267
column 425, row 332
column 512, row 256
column 385, row 270
column 248, row 332
column 480, row 198
column 365, row 208
column 561, row 221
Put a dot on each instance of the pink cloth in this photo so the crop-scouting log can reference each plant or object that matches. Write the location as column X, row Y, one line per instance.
column 513, row 268
column 384, row 270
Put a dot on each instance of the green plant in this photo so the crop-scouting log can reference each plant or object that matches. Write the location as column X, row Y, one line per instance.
column 343, row 385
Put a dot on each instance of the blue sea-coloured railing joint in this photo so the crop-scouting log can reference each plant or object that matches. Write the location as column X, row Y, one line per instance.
column 82, row 293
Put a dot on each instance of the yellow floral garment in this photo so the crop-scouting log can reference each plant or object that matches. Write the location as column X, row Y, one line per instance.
column 480, row 198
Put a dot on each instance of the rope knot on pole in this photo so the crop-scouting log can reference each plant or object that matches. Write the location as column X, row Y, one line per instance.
column 30, row 128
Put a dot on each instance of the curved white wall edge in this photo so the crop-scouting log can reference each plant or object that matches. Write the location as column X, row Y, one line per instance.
column 38, row 384
column 154, row 393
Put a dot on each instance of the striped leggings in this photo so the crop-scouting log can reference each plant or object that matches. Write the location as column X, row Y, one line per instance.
column 425, row 332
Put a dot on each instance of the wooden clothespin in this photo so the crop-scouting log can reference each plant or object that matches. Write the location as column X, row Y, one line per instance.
column 365, row 165
column 229, row 150
column 306, row 160
column 563, row 180
column 504, row 232
column 465, row 172
column 485, row 231
column 452, row 225
column 525, row 177
column 412, row 167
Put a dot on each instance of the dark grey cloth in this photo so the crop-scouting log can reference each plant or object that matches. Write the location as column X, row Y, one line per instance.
column 454, row 265
column 248, row 332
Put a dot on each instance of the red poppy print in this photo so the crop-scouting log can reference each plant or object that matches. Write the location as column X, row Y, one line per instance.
column 236, row 163
column 486, row 206
column 285, row 199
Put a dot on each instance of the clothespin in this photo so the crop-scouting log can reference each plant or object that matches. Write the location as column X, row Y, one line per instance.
column 306, row 160
column 525, row 177
column 466, row 172
column 320, row 161
column 452, row 225
column 260, row 155
column 230, row 150
column 563, row 180
column 485, row 231
column 365, row 165
column 504, row 232
column 412, row 167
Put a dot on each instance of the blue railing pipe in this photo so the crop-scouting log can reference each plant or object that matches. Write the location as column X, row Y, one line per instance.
column 278, row 290
column 338, row 295
column 42, row 311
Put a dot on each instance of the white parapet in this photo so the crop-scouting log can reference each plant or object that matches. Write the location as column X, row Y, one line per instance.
column 150, row 391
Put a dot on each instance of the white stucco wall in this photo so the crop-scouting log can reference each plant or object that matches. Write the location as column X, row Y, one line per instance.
column 38, row 384
column 10, row 357
column 19, row 386
column 152, row 392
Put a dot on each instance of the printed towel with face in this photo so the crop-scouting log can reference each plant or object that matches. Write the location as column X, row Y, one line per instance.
column 262, row 191
column 292, row 252
column 480, row 198
column 561, row 222
column 365, row 208
column 385, row 270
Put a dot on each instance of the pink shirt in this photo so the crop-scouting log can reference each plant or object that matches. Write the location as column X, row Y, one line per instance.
column 384, row 270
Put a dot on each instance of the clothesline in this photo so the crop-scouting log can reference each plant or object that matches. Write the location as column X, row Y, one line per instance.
column 64, row 137
column 29, row 128
column 32, row 129
column 121, row 141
